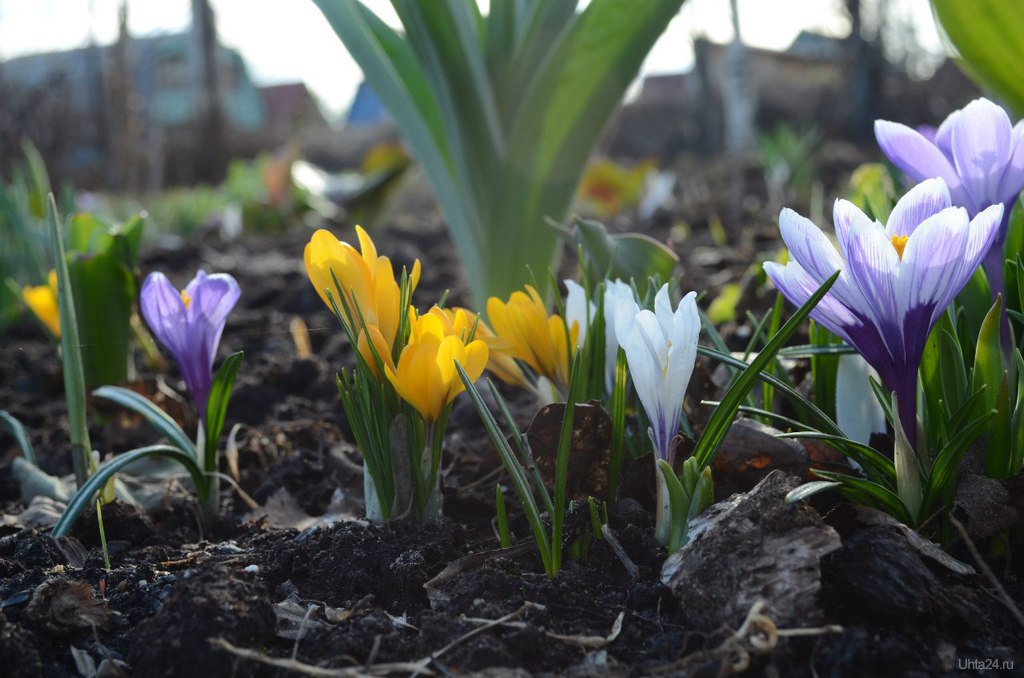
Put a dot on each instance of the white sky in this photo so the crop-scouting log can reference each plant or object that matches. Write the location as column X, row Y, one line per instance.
column 288, row 40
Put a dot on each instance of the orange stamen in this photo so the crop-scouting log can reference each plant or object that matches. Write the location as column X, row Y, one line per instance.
column 899, row 243
column 185, row 299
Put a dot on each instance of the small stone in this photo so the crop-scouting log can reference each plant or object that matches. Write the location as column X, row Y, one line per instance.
column 750, row 452
column 251, row 569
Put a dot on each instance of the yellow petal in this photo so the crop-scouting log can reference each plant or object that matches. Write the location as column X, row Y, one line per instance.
column 380, row 345
column 366, row 246
column 414, row 277
column 42, row 301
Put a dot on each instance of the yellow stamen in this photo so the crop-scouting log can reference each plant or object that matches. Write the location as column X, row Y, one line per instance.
column 187, row 300
column 899, row 243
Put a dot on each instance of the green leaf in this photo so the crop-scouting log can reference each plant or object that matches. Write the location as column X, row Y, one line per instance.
column 679, row 506
column 562, row 459
column 908, row 466
column 84, row 496
column 71, row 352
column 159, row 419
column 798, row 398
column 873, row 191
column 628, row 256
column 718, row 426
column 808, row 490
column 87, row 234
column 504, row 535
column 514, row 469
column 869, row 459
column 217, row 406
column 988, row 358
column 20, row 436
column 1017, row 422
column 1013, row 246
column 128, row 239
column 874, row 493
column 943, row 472
column 824, row 369
column 987, row 33
column 104, row 292
column 998, row 440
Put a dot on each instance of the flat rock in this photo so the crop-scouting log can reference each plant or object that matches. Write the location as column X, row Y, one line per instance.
column 750, row 452
column 753, row 547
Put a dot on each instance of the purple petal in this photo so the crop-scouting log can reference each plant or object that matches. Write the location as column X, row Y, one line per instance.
column 944, row 135
column 981, row 150
column 925, row 200
column 848, row 220
column 914, row 155
column 1012, row 181
column 797, row 286
column 164, row 312
column 213, row 297
column 984, row 239
column 809, row 246
column 873, row 263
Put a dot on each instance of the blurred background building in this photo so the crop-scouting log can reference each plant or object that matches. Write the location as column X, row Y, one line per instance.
column 138, row 113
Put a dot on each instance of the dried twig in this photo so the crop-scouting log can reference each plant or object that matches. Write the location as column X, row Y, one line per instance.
column 1003, row 596
column 757, row 635
column 417, row 668
column 620, row 552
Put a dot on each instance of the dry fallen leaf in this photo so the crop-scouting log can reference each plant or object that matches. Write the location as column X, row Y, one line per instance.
column 64, row 604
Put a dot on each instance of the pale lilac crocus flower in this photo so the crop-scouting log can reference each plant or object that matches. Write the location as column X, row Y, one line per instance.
column 661, row 348
column 895, row 281
column 189, row 324
column 979, row 156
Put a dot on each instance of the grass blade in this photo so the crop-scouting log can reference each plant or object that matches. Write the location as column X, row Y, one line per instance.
column 84, row 496
column 724, row 414
column 159, row 419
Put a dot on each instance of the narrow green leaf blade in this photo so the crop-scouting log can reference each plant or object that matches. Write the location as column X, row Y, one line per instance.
column 159, row 419
column 84, row 496
column 217, row 404
column 808, row 490
column 718, row 425
column 20, row 436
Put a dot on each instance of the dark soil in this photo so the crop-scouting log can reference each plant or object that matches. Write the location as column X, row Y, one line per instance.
column 252, row 597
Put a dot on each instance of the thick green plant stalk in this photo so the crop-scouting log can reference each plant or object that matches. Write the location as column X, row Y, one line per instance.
column 503, row 111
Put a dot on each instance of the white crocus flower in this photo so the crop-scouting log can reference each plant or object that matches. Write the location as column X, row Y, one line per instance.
column 661, row 348
column 578, row 309
column 618, row 303
column 857, row 410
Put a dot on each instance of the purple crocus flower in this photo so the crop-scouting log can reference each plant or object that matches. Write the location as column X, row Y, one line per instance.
column 189, row 323
column 978, row 154
column 896, row 279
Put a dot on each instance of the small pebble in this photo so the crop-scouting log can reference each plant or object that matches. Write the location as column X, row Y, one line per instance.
column 143, row 583
column 251, row 569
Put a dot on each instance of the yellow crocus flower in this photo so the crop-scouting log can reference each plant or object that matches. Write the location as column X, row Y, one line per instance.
column 425, row 376
column 534, row 337
column 42, row 301
column 499, row 362
column 368, row 281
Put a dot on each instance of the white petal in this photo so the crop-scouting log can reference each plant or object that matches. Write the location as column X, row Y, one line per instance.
column 578, row 309
column 857, row 410
column 926, row 199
